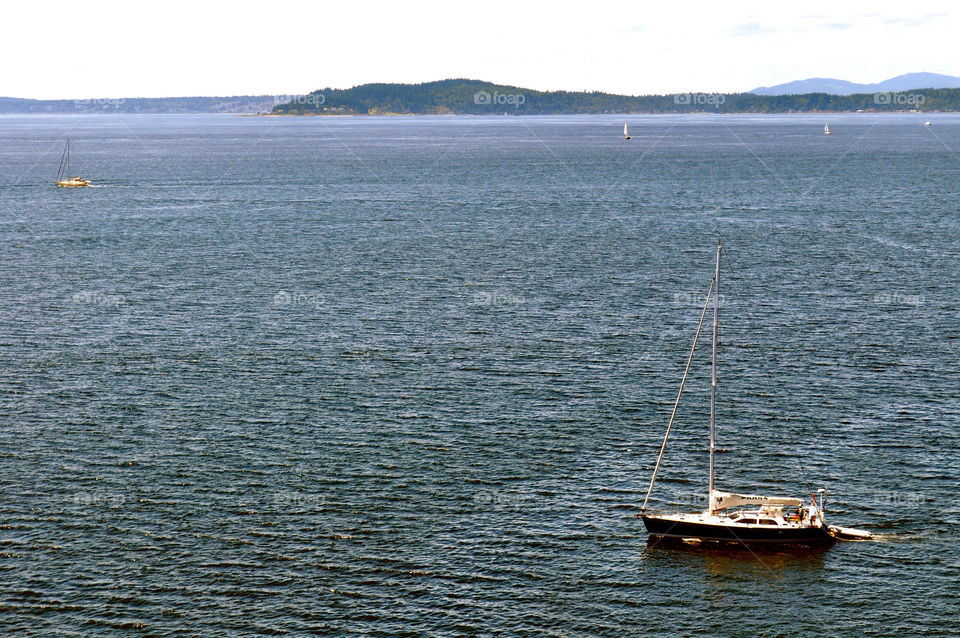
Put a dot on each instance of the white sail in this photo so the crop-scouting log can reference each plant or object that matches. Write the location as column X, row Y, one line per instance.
column 826, row 129
column 722, row 500
column 626, row 131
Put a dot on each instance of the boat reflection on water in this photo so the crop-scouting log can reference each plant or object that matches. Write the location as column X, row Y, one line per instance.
column 737, row 551
column 731, row 559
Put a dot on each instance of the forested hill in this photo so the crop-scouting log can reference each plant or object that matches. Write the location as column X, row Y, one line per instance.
column 484, row 98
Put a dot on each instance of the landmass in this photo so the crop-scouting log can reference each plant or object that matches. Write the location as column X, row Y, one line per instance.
column 240, row 104
column 477, row 97
column 905, row 82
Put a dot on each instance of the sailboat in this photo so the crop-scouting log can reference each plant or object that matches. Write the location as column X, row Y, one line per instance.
column 63, row 174
column 626, row 132
column 741, row 519
column 826, row 129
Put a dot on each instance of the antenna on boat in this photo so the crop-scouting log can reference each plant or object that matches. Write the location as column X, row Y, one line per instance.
column 805, row 480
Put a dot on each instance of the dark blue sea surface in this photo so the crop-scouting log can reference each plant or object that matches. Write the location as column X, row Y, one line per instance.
column 409, row 376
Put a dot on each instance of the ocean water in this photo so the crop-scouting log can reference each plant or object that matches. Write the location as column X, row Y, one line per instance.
column 409, row 376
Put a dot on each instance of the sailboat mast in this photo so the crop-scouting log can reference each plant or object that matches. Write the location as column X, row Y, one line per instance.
column 713, row 376
column 68, row 159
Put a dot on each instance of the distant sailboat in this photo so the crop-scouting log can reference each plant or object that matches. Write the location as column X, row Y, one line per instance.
column 626, row 132
column 826, row 129
column 63, row 174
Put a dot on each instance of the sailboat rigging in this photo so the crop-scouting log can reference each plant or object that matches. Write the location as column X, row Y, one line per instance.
column 63, row 174
column 737, row 518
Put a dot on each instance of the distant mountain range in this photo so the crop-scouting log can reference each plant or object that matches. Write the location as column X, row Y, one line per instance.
column 906, row 82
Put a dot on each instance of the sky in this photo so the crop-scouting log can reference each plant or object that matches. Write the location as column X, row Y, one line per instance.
column 126, row 49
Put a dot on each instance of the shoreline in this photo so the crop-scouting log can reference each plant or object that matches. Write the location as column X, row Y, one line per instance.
column 621, row 114
column 487, row 115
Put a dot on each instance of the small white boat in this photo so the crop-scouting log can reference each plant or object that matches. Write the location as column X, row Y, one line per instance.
column 849, row 534
column 626, row 132
column 63, row 174
column 928, row 123
column 826, row 129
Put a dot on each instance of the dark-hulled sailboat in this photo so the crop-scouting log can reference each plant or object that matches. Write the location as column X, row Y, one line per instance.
column 738, row 518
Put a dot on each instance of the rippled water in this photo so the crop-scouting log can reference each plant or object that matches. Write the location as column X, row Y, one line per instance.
column 409, row 376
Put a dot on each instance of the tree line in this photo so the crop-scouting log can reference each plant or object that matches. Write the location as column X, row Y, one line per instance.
column 476, row 97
